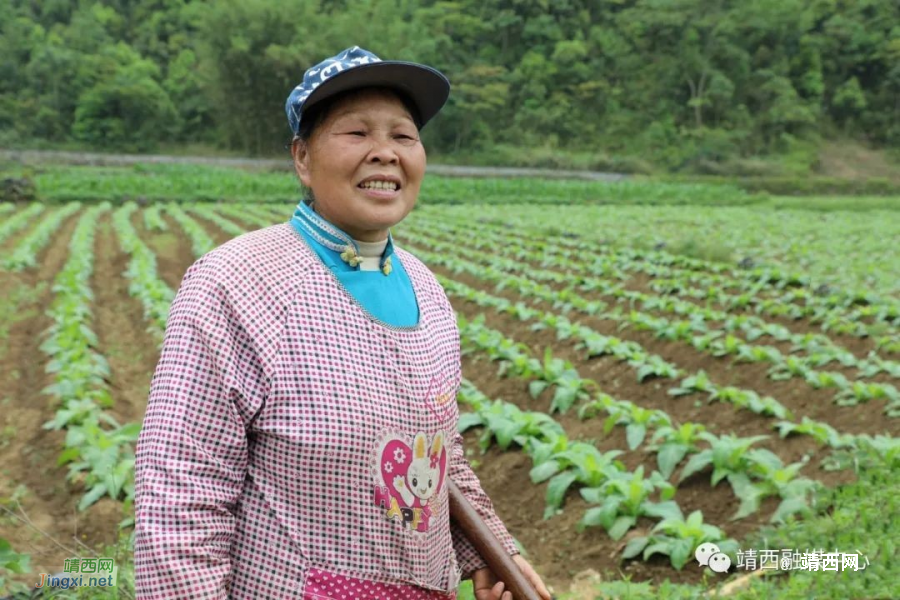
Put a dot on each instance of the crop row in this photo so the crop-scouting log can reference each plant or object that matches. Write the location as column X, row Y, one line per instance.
column 618, row 497
column 829, row 309
column 25, row 254
column 633, row 227
column 154, row 294
column 18, row 221
column 153, row 220
column 207, row 211
column 246, row 213
column 693, row 332
column 201, row 243
column 98, row 450
column 616, row 266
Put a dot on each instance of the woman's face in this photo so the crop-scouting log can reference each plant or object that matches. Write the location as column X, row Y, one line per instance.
column 364, row 164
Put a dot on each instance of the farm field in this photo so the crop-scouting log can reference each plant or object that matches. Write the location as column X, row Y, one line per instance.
column 638, row 379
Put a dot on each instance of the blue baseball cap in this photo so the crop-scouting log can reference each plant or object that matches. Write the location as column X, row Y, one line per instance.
column 427, row 88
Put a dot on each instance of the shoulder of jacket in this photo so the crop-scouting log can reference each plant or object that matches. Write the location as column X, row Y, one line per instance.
column 272, row 255
column 254, row 274
column 253, row 277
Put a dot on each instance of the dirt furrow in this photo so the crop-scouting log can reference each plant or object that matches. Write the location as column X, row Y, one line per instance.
column 794, row 393
column 172, row 248
column 28, row 452
column 120, row 326
column 214, row 231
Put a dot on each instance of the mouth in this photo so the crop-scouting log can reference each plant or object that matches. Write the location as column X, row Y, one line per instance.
column 388, row 186
column 380, row 186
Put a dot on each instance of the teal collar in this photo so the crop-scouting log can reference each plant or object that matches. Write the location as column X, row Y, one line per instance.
column 337, row 241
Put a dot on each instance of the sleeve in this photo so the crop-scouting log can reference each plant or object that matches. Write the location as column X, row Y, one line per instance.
column 191, row 457
column 462, row 475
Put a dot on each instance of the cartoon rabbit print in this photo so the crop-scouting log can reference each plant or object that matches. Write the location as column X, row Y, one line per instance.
column 423, row 475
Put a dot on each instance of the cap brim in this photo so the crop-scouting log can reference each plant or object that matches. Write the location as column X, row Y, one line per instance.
column 426, row 87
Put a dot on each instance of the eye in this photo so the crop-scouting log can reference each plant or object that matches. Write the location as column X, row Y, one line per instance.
column 415, row 482
column 357, row 133
column 429, row 483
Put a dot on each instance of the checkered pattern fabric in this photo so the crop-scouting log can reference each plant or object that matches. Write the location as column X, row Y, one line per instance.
column 291, row 440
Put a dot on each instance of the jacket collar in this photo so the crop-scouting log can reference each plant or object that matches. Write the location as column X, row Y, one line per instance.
column 341, row 247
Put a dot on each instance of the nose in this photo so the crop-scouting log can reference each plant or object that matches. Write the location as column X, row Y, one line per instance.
column 383, row 151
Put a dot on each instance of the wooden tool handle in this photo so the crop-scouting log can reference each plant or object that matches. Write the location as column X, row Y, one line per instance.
column 489, row 547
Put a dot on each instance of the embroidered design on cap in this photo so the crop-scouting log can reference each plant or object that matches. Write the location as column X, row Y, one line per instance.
column 319, row 74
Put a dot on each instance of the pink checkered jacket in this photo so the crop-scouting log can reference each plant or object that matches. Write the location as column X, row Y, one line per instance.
column 294, row 446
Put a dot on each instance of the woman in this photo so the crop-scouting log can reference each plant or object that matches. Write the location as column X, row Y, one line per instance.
column 301, row 424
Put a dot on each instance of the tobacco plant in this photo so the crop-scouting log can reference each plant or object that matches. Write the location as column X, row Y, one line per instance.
column 636, row 420
column 564, row 462
column 624, row 498
column 672, row 444
column 506, row 423
column 678, row 538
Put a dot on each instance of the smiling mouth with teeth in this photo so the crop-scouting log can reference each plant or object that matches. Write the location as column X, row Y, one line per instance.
column 379, row 185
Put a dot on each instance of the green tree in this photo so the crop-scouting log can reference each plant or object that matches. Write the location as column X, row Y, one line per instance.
column 127, row 111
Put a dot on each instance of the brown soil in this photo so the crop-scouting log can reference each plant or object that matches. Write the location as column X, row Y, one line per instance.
column 28, row 451
column 172, row 248
column 131, row 351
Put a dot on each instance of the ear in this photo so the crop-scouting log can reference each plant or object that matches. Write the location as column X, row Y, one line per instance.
column 438, row 443
column 300, row 154
column 419, row 446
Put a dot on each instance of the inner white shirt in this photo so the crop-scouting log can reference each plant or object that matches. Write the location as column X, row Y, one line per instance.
column 371, row 254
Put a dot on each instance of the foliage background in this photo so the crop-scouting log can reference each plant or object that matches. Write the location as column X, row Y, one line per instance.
column 683, row 85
